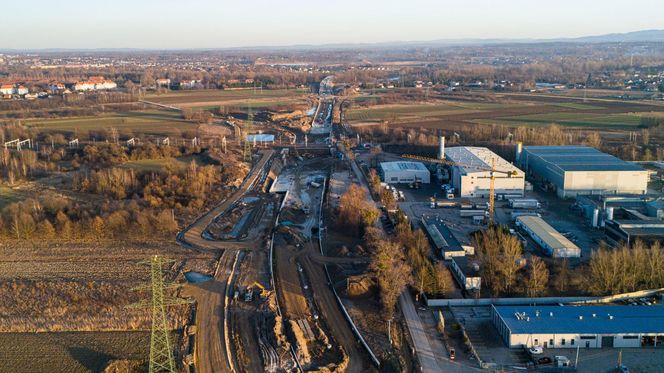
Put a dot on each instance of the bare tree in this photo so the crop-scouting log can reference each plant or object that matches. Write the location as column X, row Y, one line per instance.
column 392, row 273
column 538, row 277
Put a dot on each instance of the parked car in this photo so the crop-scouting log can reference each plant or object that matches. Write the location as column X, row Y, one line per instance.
column 452, row 354
column 544, row 360
column 536, row 350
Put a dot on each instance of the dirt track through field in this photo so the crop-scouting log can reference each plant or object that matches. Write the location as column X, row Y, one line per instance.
column 211, row 296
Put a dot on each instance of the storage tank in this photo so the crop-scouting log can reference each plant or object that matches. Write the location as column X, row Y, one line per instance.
column 441, row 147
column 595, row 218
column 609, row 213
column 519, row 149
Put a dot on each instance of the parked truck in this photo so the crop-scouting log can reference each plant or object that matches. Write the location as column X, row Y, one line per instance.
column 524, row 203
column 470, row 213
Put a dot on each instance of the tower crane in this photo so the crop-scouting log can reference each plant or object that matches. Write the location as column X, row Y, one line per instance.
column 492, row 177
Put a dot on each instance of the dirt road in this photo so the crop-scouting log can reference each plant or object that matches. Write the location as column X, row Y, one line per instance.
column 211, row 348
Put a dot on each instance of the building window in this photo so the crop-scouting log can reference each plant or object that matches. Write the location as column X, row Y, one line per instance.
column 630, row 337
column 588, row 337
column 550, row 342
column 571, row 341
column 562, row 341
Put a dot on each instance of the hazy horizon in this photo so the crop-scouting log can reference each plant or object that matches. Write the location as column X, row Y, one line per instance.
column 208, row 24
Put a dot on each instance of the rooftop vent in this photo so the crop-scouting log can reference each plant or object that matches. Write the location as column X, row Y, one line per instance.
column 610, row 317
column 537, row 313
column 551, row 314
column 594, row 315
column 580, row 317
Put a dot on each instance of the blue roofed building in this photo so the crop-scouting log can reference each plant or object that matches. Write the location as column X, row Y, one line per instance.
column 579, row 326
column 581, row 170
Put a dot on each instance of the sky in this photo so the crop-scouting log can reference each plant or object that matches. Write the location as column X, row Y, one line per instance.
column 184, row 24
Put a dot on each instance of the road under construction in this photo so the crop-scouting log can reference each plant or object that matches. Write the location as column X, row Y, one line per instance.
column 292, row 320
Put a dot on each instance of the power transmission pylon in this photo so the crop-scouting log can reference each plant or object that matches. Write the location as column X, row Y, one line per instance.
column 247, row 151
column 161, row 351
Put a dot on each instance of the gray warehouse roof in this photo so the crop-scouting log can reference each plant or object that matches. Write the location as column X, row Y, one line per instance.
column 579, row 158
column 403, row 166
column 580, row 320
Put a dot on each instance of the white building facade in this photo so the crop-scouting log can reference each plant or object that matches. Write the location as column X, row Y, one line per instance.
column 471, row 175
column 404, row 172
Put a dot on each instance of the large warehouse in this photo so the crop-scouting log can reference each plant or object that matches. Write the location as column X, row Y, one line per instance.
column 404, row 172
column 572, row 170
column 470, row 175
column 552, row 241
column 579, row 326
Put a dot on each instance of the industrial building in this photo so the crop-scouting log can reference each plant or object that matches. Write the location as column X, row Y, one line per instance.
column 579, row 326
column 647, row 231
column 466, row 272
column 471, row 173
column 404, row 172
column 574, row 170
column 443, row 239
column 261, row 138
column 598, row 209
column 553, row 243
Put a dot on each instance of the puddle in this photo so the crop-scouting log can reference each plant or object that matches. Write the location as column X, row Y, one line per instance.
column 195, row 277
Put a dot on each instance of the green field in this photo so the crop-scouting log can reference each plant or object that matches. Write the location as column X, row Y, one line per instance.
column 404, row 112
column 422, row 111
column 156, row 165
column 8, row 195
column 253, row 105
column 571, row 119
column 147, row 122
column 218, row 95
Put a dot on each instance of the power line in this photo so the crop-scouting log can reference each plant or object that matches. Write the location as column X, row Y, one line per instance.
column 161, row 350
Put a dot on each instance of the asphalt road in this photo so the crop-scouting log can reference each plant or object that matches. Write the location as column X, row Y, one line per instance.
column 211, row 349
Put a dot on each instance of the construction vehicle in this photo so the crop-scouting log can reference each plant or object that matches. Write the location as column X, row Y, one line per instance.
column 262, row 292
column 492, row 171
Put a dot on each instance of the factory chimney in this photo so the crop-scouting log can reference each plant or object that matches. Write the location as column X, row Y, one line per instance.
column 519, row 149
column 441, row 147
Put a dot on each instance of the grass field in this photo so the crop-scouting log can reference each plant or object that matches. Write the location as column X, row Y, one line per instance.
column 518, row 110
column 157, row 165
column 405, row 112
column 220, row 96
column 147, row 122
column 8, row 195
column 69, row 352
column 571, row 119
column 245, row 106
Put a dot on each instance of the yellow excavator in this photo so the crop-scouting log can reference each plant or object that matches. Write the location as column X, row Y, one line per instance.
column 263, row 293
column 492, row 171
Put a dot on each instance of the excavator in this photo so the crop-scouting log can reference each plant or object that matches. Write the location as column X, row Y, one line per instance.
column 249, row 293
column 492, row 171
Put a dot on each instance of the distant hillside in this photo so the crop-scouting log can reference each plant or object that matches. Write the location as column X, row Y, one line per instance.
column 636, row 36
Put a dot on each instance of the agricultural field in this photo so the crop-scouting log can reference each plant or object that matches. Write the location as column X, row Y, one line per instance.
column 70, row 352
column 216, row 97
column 570, row 119
column 162, row 123
column 419, row 111
column 532, row 110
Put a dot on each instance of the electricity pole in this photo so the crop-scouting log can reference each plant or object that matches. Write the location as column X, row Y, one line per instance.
column 161, row 350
